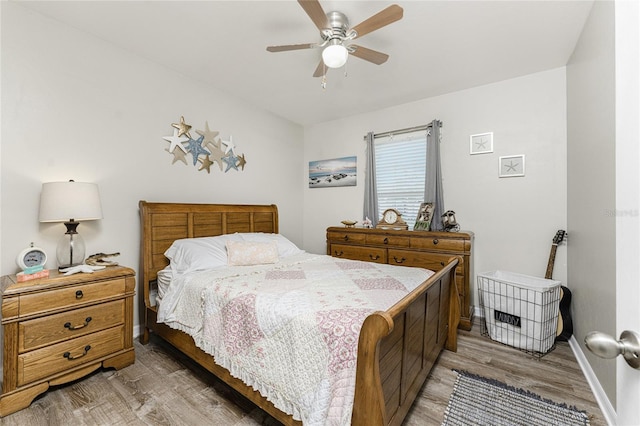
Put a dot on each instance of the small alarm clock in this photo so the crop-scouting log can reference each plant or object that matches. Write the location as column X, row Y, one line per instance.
column 32, row 259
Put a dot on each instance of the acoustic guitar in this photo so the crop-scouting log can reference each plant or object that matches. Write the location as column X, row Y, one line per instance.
column 565, row 323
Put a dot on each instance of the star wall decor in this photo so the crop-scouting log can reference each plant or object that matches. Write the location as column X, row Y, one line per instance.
column 206, row 149
column 176, row 141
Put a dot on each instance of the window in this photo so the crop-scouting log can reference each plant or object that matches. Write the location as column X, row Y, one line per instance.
column 400, row 173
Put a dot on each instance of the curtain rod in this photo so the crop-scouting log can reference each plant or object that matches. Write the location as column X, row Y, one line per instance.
column 402, row 131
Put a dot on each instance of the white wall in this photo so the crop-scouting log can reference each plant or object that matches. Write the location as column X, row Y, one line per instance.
column 74, row 107
column 592, row 184
column 514, row 219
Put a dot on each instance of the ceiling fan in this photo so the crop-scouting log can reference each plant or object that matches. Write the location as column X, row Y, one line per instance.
column 337, row 35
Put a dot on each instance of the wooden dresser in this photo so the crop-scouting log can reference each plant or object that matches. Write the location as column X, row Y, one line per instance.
column 409, row 248
column 61, row 328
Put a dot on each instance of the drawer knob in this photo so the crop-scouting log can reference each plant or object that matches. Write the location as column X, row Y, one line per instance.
column 386, row 240
column 71, row 357
column 442, row 264
column 374, row 257
column 79, row 294
column 435, row 241
column 346, row 238
column 338, row 254
column 401, row 260
column 76, row 327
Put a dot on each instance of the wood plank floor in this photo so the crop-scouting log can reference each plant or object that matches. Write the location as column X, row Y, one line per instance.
column 163, row 388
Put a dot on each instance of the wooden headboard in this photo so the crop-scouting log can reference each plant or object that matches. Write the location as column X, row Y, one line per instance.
column 163, row 223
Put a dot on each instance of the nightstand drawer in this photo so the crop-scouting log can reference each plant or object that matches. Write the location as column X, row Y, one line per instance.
column 63, row 356
column 69, row 297
column 369, row 254
column 67, row 325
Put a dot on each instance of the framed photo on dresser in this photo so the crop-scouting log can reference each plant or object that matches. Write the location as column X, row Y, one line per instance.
column 425, row 215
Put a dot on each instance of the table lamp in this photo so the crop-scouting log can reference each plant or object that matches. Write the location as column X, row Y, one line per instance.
column 70, row 202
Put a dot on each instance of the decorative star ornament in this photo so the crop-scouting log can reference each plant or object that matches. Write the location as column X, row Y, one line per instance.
column 232, row 162
column 229, row 145
column 178, row 155
column 207, row 149
column 209, row 135
column 216, row 152
column 183, row 128
column 195, row 148
column 176, row 141
column 241, row 161
column 206, row 164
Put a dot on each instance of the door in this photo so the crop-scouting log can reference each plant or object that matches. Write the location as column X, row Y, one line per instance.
column 627, row 34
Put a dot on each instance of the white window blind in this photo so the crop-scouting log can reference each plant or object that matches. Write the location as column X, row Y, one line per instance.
column 400, row 172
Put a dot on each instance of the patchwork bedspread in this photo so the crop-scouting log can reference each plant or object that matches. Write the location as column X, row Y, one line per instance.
column 290, row 330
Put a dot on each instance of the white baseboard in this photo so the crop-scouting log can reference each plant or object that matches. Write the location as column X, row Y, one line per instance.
column 607, row 409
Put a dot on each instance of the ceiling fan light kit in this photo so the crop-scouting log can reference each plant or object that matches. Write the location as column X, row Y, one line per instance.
column 336, row 35
column 335, row 55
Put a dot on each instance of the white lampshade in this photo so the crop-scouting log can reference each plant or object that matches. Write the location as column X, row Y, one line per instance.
column 335, row 55
column 63, row 201
column 70, row 202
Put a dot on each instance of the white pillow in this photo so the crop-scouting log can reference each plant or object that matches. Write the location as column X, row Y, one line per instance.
column 247, row 253
column 285, row 247
column 196, row 254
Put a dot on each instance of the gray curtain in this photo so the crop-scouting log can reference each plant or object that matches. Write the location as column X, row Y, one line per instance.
column 433, row 178
column 370, row 189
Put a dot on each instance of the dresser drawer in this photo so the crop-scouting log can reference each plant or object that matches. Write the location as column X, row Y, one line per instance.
column 369, row 254
column 436, row 243
column 432, row 261
column 63, row 356
column 351, row 237
column 387, row 240
column 66, row 325
column 69, row 297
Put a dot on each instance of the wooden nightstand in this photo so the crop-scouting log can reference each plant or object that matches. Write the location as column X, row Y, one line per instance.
column 61, row 328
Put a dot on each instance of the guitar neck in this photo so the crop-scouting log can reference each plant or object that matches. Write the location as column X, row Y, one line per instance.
column 552, row 260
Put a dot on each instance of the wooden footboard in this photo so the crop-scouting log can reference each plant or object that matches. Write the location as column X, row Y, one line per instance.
column 396, row 350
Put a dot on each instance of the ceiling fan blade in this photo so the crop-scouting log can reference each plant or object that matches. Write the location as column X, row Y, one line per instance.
column 320, row 69
column 315, row 12
column 385, row 17
column 369, row 55
column 286, row 47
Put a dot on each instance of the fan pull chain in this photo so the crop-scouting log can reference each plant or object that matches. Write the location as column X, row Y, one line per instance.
column 323, row 84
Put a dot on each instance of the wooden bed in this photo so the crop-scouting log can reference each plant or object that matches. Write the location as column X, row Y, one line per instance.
column 396, row 350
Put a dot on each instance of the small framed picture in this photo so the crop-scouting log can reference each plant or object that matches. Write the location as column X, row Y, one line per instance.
column 511, row 166
column 425, row 214
column 482, row 143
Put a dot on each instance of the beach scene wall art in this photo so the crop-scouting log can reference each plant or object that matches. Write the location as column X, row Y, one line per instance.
column 333, row 173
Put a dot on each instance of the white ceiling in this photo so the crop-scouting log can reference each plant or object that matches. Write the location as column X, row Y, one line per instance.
column 438, row 47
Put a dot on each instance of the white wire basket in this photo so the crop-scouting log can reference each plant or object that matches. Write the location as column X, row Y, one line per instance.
column 519, row 310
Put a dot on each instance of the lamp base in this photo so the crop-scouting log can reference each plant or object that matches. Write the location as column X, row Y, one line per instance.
column 71, row 248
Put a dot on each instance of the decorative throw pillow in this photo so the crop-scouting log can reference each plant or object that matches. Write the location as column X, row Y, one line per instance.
column 246, row 253
column 285, row 247
column 197, row 254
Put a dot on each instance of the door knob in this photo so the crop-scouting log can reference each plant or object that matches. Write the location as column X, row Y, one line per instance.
column 605, row 346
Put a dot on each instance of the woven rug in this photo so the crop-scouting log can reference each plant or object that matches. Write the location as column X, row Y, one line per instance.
column 477, row 400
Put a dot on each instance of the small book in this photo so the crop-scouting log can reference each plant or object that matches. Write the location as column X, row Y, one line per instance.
column 22, row 277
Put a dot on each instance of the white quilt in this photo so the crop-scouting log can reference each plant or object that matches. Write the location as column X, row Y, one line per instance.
column 290, row 330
